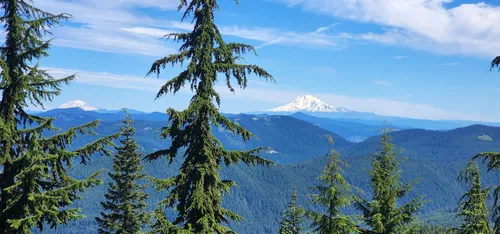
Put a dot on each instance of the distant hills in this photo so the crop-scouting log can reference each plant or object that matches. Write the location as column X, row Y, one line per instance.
column 310, row 106
column 297, row 143
column 315, row 107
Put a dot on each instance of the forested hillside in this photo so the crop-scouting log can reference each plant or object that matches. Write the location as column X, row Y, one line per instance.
column 262, row 193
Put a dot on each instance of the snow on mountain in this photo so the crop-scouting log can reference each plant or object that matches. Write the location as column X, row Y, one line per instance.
column 308, row 103
column 77, row 103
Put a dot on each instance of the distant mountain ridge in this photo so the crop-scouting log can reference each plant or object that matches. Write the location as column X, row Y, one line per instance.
column 313, row 106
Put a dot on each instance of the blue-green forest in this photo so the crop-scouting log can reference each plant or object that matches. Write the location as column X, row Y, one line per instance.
column 433, row 157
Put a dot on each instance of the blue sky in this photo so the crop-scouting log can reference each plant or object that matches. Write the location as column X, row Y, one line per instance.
column 411, row 58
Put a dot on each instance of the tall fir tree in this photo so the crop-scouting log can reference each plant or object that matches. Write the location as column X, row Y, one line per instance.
column 382, row 214
column 334, row 194
column 35, row 187
column 472, row 205
column 196, row 192
column 493, row 159
column 125, row 199
column 293, row 216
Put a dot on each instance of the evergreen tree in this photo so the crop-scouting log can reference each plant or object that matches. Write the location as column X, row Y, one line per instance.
column 495, row 63
column 292, row 220
column 493, row 159
column 434, row 229
column 125, row 200
column 472, row 205
column 382, row 214
column 335, row 193
column 196, row 192
column 35, row 187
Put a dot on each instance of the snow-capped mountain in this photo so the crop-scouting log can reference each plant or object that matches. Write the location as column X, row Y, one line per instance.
column 308, row 103
column 77, row 103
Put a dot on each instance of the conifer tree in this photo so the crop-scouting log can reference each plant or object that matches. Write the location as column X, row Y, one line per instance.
column 293, row 217
column 335, row 193
column 382, row 214
column 196, row 192
column 472, row 205
column 35, row 187
column 125, row 200
column 493, row 159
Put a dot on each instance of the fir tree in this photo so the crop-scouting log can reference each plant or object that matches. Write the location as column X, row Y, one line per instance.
column 472, row 205
column 125, row 200
column 382, row 214
column 196, row 192
column 493, row 159
column 35, row 187
column 335, row 193
column 292, row 221
column 495, row 63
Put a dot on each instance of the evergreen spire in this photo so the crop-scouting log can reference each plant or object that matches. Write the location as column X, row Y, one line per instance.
column 493, row 159
column 196, row 192
column 292, row 221
column 35, row 187
column 472, row 205
column 382, row 214
column 125, row 200
column 335, row 193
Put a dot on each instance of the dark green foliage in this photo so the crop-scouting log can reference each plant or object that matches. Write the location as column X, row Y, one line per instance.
column 293, row 217
column 125, row 200
column 382, row 214
column 335, row 193
column 196, row 192
column 35, row 187
column 264, row 193
column 472, row 206
column 493, row 159
column 434, row 229
column 495, row 63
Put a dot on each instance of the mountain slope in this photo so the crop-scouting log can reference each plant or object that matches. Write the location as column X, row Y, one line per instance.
column 434, row 156
column 78, row 104
column 308, row 103
column 350, row 130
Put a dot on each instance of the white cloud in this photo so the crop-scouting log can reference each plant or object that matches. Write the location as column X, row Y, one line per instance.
column 322, row 29
column 109, row 80
column 277, row 95
column 96, row 25
column 400, row 57
column 115, row 26
column 423, row 24
column 267, row 36
column 382, row 82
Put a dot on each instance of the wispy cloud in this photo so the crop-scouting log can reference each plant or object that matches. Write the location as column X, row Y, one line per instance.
column 267, row 36
column 115, row 26
column 277, row 95
column 400, row 57
column 109, row 80
column 322, row 29
column 96, row 25
column 470, row 28
column 382, row 82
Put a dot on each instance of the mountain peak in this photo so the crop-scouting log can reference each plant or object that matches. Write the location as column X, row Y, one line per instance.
column 308, row 103
column 78, row 104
